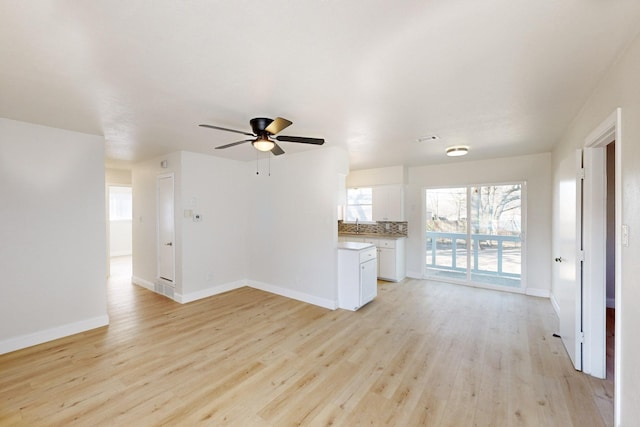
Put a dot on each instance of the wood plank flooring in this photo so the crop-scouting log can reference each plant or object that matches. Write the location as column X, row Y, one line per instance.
column 422, row 353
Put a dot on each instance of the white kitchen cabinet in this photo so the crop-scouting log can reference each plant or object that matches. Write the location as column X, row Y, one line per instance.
column 387, row 263
column 368, row 281
column 391, row 259
column 390, row 253
column 357, row 282
column 388, row 203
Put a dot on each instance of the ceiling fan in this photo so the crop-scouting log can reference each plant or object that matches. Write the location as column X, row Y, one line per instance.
column 264, row 135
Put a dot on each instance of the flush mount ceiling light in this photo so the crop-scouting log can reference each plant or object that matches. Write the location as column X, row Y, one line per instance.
column 457, row 151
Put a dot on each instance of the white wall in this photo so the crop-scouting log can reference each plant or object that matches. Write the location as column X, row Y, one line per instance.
column 118, row 177
column 120, row 241
column 53, row 250
column 391, row 175
column 214, row 250
column 533, row 169
column 620, row 88
column 277, row 233
column 294, row 225
column 210, row 255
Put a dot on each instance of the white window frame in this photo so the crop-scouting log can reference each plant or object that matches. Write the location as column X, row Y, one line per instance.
column 348, row 220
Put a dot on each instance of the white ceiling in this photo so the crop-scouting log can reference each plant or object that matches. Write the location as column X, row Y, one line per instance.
column 505, row 77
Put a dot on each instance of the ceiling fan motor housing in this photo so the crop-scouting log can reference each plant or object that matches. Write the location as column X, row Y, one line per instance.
column 259, row 124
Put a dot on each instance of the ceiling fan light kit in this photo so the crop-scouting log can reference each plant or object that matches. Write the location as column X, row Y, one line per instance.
column 264, row 134
column 457, row 151
column 263, row 144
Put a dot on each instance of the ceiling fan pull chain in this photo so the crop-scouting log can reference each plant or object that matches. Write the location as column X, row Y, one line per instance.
column 257, row 158
column 269, row 164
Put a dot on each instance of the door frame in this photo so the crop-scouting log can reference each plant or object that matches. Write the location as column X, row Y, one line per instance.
column 594, row 304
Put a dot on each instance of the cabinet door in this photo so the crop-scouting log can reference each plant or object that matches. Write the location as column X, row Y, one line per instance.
column 387, row 263
column 368, row 281
column 388, row 203
column 395, row 203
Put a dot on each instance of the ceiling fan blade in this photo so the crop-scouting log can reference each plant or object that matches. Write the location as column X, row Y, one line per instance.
column 276, row 150
column 225, row 129
column 301, row 139
column 278, row 125
column 234, row 143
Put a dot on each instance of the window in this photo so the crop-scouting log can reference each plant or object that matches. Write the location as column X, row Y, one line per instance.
column 474, row 234
column 359, row 204
column 120, row 204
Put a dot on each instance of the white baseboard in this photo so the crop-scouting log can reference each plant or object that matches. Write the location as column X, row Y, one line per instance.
column 193, row 296
column 28, row 340
column 144, row 283
column 536, row 292
column 555, row 305
column 288, row 293
column 414, row 274
column 120, row 253
column 299, row 296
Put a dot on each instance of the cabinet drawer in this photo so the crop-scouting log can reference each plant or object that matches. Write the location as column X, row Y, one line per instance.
column 367, row 254
column 370, row 240
column 386, row 243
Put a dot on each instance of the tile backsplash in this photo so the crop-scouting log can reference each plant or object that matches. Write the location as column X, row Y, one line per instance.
column 380, row 227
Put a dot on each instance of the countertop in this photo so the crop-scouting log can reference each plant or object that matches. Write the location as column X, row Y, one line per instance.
column 373, row 235
column 355, row 246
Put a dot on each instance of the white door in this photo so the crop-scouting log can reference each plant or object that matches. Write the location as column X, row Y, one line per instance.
column 166, row 244
column 568, row 279
column 594, row 275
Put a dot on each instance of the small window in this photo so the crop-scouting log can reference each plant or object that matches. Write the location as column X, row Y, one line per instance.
column 120, row 204
column 359, row 204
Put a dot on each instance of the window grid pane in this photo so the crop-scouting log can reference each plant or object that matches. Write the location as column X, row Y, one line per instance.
column 359, row 204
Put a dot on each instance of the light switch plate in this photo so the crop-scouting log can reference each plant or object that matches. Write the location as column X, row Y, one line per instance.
column 625, row 235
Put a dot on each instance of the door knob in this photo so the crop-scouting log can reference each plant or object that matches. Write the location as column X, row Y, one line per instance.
column 169, row 244
column 559, row 259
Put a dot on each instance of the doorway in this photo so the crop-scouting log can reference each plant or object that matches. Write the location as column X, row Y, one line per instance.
column 586, row 294
column 610, row 261
column 120, row 210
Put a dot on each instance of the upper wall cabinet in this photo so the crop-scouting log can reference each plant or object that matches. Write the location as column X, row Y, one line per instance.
column 388, row 203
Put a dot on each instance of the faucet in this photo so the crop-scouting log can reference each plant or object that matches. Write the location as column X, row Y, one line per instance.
column 357, row 226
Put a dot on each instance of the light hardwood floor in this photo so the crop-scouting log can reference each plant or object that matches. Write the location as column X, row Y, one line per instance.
column 422, row 353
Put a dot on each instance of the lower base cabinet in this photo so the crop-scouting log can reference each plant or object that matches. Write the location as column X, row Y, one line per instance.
column 391, row 256
column 387, row 264
column 357, row 282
